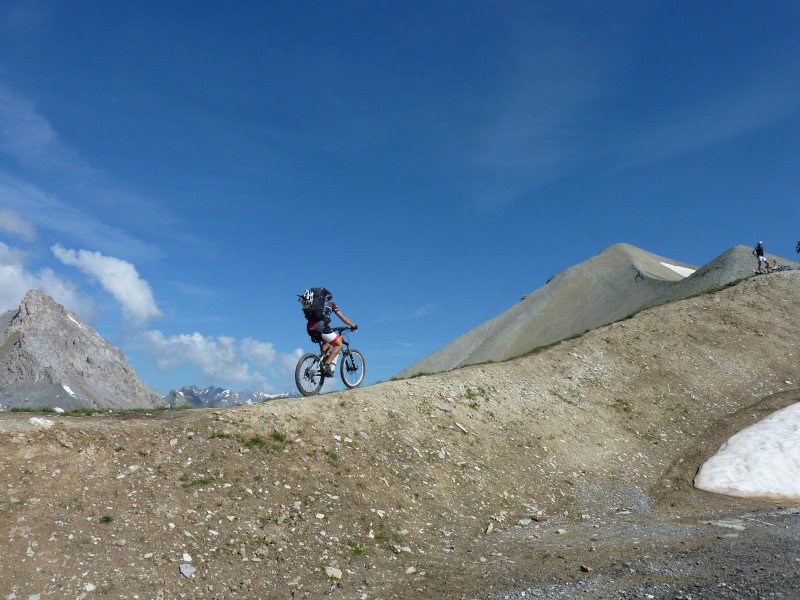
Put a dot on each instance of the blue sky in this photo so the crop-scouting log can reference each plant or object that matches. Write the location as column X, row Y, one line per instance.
column 175, row 173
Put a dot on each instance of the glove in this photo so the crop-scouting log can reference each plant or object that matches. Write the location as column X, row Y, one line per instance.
column 354, row 327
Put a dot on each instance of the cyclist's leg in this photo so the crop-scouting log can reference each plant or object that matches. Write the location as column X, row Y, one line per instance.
column 336, row 347
column 334, row 342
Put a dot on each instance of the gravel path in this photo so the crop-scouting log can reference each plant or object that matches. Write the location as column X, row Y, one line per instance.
column 721, row 555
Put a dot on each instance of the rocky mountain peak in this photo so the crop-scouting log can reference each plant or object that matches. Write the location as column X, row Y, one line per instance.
column 48, row 357
column 37, row 303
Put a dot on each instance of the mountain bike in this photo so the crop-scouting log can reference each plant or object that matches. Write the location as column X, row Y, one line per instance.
column 309, row 376
column 774, row 268
column 782, row 268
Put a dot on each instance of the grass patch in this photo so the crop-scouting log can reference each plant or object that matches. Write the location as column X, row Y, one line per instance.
column 622, row 405
column 356, row 548
column 106, row 519
column 275, row 443
column 81, row 412
column 187, row 481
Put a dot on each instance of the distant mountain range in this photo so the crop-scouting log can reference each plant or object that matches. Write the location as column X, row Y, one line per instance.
column 215, row 396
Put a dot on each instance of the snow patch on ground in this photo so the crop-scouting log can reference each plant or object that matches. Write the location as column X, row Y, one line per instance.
column 74, row 321
column 761, row 461
column 680, row 270
column 69, row 391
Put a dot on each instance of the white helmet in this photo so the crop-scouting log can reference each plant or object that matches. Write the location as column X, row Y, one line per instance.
column 306, row 298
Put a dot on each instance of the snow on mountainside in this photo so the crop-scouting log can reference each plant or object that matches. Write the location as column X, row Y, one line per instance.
column 215, row 396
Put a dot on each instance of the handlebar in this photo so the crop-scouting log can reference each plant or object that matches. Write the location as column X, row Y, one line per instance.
column 342, row 329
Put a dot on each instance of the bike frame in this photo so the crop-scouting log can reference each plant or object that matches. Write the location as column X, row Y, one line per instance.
column 323, row 351
column 309, row 375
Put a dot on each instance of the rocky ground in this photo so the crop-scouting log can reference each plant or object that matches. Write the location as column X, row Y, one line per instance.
column 563, row 474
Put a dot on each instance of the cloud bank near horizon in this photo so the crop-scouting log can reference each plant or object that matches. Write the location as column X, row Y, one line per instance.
column 220, row 357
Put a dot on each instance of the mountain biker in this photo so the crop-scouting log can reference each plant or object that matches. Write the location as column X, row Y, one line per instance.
column 758, row 251
column 321, row 330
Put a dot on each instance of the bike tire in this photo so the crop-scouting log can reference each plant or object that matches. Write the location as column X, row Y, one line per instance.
column 353, row 369
column 308, row 376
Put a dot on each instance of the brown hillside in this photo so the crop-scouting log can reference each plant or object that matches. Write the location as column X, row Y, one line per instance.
column 457, row 485
column 619, row 281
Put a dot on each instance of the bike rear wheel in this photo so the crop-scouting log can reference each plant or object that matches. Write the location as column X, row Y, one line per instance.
column 353, row 369
column 308, row 376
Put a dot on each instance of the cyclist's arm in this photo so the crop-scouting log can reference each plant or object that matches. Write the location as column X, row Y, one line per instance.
column 345, row 320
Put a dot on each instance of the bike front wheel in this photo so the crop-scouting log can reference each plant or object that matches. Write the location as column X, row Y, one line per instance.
column 308, row 376
column 353, row 369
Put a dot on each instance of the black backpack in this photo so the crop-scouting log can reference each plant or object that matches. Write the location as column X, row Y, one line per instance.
column 313, row 302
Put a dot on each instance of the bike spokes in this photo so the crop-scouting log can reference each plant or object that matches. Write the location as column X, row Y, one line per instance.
column 353, row 368
column 308, row 375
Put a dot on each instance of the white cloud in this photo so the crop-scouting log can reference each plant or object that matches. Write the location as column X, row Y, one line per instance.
column 261, row 353
column 118, row 277
column 218, row 358
column 12, row 223
column 222, row 359
column 16, row 280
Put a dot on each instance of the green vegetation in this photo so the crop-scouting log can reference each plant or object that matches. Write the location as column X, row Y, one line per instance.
column 254, row 441
column 276, row 442
column 187, row 481
column 622, row 405
column 356, row 548
column 81, row 412
column 106, row 519
column 88, row 412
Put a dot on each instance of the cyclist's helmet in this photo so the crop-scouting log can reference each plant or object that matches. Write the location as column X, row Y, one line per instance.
column 305, row 298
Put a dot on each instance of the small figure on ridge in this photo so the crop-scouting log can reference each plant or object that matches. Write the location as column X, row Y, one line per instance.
column 758, row 252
